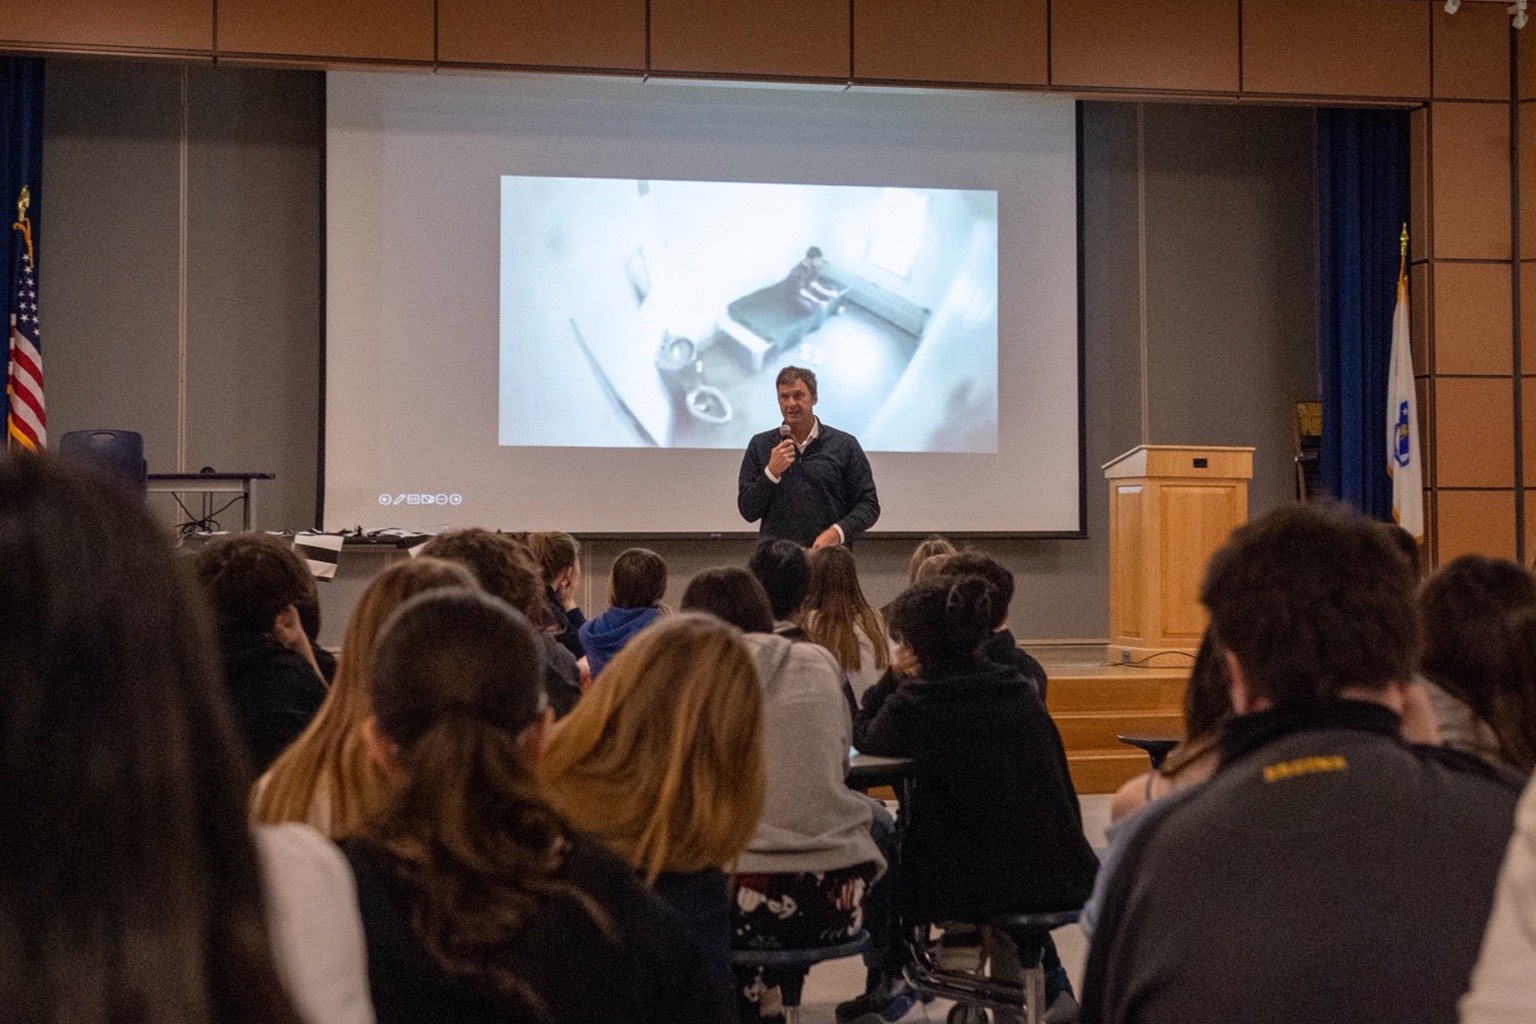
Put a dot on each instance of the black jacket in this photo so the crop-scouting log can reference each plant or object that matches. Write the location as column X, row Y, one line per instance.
column 1327, row 872
column 649, row 970
column 566, row 623
column 275, row 693
column 996, row 826
column 830, row 482
column 1003, row 649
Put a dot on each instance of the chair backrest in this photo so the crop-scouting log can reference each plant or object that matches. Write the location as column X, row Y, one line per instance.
column 118, row 452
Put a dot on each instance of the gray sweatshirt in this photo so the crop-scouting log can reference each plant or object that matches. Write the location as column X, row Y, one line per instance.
column 811, row 820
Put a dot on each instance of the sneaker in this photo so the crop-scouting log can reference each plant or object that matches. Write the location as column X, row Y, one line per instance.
column 887, row 1003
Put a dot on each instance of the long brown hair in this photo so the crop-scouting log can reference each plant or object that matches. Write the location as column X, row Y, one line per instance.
column 466, row 833
column 554, row 551
column 836, row 610
column 326, row 777
column 664, row 760
column 131, row 886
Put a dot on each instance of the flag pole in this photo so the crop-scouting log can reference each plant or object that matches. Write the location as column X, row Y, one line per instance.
column 1402, row 259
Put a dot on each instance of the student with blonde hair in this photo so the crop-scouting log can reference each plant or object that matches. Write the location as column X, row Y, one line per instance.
column 838, row 617
column 928, row 548
column 325, row 778
column 664, row 764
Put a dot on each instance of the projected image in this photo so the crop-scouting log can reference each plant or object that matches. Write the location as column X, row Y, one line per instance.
column 644, row 313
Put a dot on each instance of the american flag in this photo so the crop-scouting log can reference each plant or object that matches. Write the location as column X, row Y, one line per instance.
column 26, row 424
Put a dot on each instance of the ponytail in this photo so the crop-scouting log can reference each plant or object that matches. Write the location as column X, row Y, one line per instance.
column 944, row 617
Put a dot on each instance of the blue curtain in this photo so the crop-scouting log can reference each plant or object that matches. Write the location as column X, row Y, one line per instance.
column 1362, row 182
column 21, row 163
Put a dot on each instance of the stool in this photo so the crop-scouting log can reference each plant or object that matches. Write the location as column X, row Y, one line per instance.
column 1157, row 747
column 974, row 995
column 802, row 959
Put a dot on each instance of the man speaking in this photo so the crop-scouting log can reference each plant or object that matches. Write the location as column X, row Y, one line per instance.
column 806, row 481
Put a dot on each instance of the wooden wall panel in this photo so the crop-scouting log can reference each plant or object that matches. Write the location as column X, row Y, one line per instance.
column 1366, row 48
column 383, row 30
column 1527, row 147
column 1525, row 58
column 994, row 42
column 1474, row 432
column 1528, row 433
column 109, row 24
column 1419, row 306
column 1472, row 316
column 752, row 38
column 547, row 33
column 1528, row 327
column 1474, row 523
column 1469, row 145
column 1418, row 184
column 1471, row 52
column 1150, row 44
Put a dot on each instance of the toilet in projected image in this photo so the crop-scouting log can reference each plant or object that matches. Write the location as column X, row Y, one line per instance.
column 677, row 362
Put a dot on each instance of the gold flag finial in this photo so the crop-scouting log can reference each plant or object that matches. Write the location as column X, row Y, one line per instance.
column 24, row 203
column 1402, row 260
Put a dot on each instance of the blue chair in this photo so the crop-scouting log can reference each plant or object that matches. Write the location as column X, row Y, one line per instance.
column 801, row 960
column 973, row 993
column 119, row 453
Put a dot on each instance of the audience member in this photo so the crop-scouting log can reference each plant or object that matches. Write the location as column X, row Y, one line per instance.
column 559, row 558
column 1207, row 706
column 839, row 618
column 1001, row 647
column 803, row 878
column 1325, row 847
column 479, row 902
column 664, row 764
column 1476, row 662
column 309, row 619
column 130, row 887
column 1501, row 991
column 635, row 589
column 505, row 568
column 326, row 778
column 996, row 826
column 255, row 584
column 930, row 546
column 783, row 569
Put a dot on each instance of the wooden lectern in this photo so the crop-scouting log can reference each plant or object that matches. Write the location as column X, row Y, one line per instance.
column 1170, row 508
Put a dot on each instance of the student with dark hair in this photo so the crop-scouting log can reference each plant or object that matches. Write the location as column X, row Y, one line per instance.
column 733, row 595
column 309, row 620
column 559, row 558
column 996, row 826
column 1359, row 856
column 256, row 584
column 130, row 887
column 480, row 904
column 504, row 567
column 804, row 876
column 1001, row 646
column 1478, row 616
column 783, row 569
column 635, row 589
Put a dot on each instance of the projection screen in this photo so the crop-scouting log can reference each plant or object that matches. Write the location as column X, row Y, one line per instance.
column 560, row 303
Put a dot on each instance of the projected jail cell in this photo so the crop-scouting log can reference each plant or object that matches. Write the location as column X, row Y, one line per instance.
column 649, row 313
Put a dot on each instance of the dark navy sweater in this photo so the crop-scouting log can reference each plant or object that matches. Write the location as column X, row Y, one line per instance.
column 829, row 482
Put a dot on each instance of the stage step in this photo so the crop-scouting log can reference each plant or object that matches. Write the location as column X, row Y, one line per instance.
column 1093, row 703
column 1104, row 771
column 1098, row 730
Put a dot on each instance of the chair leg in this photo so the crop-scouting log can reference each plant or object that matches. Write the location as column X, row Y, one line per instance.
column 1034, row 994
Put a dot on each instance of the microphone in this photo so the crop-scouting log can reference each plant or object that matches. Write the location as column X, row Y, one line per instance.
column 784, row 430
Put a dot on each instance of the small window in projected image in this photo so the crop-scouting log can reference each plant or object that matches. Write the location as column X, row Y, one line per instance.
column 896, row 234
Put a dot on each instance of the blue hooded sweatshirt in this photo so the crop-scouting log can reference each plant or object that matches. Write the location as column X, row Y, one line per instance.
column 606, row 635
